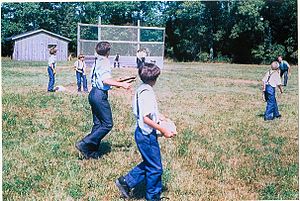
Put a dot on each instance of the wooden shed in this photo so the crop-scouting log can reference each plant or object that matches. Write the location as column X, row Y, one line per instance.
column 34, row 46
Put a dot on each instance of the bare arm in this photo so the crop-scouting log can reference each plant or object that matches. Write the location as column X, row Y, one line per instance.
column 115, row 83
column 280, row 88
column 156, row 126
column 263, row 86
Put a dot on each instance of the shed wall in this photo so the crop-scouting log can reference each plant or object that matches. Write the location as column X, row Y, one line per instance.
column 35, row 48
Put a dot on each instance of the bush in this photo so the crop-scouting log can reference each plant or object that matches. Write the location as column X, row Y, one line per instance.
column 203, row 56
column 222, row 58
column 265, row 55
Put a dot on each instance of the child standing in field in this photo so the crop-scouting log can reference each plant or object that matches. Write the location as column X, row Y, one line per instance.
column 51, row 69
column 98, row 98
column 116, row 62
column 270, row 81
column 285, row 70
column 146, row 113
column 141, row 57
column 80, row 68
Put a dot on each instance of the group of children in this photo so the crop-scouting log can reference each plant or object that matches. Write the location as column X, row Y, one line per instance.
column 270, row 81
column 145, row 110
column 147, row 116
column 79, row 67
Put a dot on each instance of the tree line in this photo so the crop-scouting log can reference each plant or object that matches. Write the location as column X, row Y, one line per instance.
column 253, row 31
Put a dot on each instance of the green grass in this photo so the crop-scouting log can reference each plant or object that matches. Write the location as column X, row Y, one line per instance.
column 224, row 149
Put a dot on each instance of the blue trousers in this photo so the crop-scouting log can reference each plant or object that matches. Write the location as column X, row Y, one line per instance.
column 151, row 168
column 102, row 118
column 285, row 75
column 51, row 79
column 80, row 76
column 272, row 108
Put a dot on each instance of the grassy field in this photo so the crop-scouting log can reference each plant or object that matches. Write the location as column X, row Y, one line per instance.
column 224, row 149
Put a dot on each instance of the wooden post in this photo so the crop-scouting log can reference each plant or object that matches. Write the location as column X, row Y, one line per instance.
column 99, row 28
column 138, row 35
column 78, row 39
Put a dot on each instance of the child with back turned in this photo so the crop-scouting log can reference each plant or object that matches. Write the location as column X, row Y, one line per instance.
column 146, row 112
column 270, row 81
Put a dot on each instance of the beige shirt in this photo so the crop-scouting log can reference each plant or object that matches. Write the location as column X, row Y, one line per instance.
column 274, row 79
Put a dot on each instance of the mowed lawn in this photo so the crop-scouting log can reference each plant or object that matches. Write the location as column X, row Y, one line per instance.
column 224, row 149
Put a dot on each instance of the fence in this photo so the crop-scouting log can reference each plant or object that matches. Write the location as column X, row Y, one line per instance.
column 125, row 41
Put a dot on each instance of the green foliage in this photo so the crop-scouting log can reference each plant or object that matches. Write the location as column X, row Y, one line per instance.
column 203, row 56
column 244, row 31
column 264, row 54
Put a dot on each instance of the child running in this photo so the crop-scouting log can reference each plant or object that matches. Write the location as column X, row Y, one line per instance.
column 146, row 112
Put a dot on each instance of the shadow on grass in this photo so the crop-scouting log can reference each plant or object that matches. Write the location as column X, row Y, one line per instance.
column 260, row 115
column 139, row 192
column 104, row 148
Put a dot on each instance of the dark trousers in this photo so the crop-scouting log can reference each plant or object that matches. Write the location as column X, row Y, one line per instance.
column 285, row 75
column 51, row 79
column 102, row 118
column 272, row 108
column 140, row 62
column 80, row 76
column 151, row 168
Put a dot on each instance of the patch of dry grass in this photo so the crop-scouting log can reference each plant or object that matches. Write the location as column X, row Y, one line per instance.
column 223, row 151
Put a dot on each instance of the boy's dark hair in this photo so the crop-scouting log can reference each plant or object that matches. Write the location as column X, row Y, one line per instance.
column 103, row 48
column 149, row 72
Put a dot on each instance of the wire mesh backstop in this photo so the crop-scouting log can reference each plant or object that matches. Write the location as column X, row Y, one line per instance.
column 125, row 41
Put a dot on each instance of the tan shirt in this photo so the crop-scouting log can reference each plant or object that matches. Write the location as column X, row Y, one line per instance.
column 274, row 79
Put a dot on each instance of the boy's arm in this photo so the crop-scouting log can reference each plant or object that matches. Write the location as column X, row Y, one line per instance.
column 156, row 126
column 280, row 88
column 53, row 69
column 263, row 86
column 115, row 83
column 289, row 68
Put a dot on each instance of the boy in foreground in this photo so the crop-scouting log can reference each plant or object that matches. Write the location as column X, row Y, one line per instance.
column 270, row 81
column 146, row 112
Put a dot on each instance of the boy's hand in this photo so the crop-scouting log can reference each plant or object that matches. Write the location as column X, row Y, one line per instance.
column 161, row 117
column 54, row 71
column 168, row 134
column 126, row 85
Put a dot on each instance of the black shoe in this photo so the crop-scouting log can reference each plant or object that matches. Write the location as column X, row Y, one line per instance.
column 52, row 90
column 268, row 119
column 158, row 199
column 123, row 187
column 81, row 147
column 95, row 155
column 279, row 116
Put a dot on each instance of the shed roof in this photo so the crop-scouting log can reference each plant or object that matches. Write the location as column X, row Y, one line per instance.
column 37, row 32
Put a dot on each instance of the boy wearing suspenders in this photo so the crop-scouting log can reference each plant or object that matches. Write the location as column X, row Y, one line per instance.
column 98, row 98
column 147, row 116
column 270, row 81
column 80, row 68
